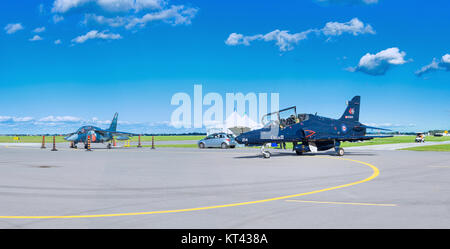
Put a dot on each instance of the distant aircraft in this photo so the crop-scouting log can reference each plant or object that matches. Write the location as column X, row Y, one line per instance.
column 313, row 132
column 98, row 135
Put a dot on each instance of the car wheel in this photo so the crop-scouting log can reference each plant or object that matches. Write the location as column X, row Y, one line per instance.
column 340, row 152
column 201, row 145
column 224, row 146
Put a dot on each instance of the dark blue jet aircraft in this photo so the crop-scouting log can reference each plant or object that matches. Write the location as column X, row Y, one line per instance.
column 309, row 132
column 97, row 135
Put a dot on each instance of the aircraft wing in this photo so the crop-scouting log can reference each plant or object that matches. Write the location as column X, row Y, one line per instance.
column 119, row 133
column 116, row 133
column 375, row 128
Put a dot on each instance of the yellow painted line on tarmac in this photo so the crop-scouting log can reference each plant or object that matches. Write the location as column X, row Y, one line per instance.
column 375, row 173
column 345, row 203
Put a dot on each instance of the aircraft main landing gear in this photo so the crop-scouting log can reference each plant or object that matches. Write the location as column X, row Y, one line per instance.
column 338, row 149
column 266, row 154
column 108, row 146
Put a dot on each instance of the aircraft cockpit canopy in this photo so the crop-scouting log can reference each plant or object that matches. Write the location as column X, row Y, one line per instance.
column 84, row 129
column 284, row 118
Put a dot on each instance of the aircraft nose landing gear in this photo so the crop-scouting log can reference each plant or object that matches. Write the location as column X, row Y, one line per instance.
column 266, row 154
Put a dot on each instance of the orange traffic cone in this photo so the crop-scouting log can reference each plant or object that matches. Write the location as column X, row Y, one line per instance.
column 139, row 144
column 54, row 144
column 43, row 142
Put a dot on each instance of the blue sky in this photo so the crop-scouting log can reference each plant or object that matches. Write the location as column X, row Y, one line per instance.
column 64, row 63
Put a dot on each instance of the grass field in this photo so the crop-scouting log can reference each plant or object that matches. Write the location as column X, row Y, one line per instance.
column 31, row 139
column 439, row 147
column 167, row 138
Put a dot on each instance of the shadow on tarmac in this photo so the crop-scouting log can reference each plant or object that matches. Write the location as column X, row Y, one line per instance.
column 293, row 154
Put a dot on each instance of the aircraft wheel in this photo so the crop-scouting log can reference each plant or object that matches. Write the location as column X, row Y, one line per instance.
column 299, row 152
column 109, row 146
column 201, row 145
column 266, row 154
column 224, row 146
column 340, row 152
column 85, row 146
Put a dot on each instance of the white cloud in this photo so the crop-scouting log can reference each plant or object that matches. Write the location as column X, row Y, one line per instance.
column 10, row 119
column 354, row 26
column 286, row 41
column 57, row 18
column 57, row 42
column 41, row 9
column 60, row 119
column 94, row 34
column 125, row 13
column 62, row 6
column 379, row 63
column 35, row 38
column 96, row 121
column 110, row 21
column 13, row 28
column 175, row 15
column 39, row 30
column 435, row 65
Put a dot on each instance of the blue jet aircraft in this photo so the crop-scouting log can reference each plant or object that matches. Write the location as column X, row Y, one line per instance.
column 98, row 135
column 309, row 132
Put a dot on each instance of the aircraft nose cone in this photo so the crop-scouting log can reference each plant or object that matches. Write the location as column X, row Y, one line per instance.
column 239, row 139
column 74, row 137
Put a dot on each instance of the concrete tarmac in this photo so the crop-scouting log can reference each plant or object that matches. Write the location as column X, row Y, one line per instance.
column 213, row 188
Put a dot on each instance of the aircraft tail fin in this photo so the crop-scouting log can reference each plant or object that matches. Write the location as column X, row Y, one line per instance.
column 352, row 111
column 113, row 126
